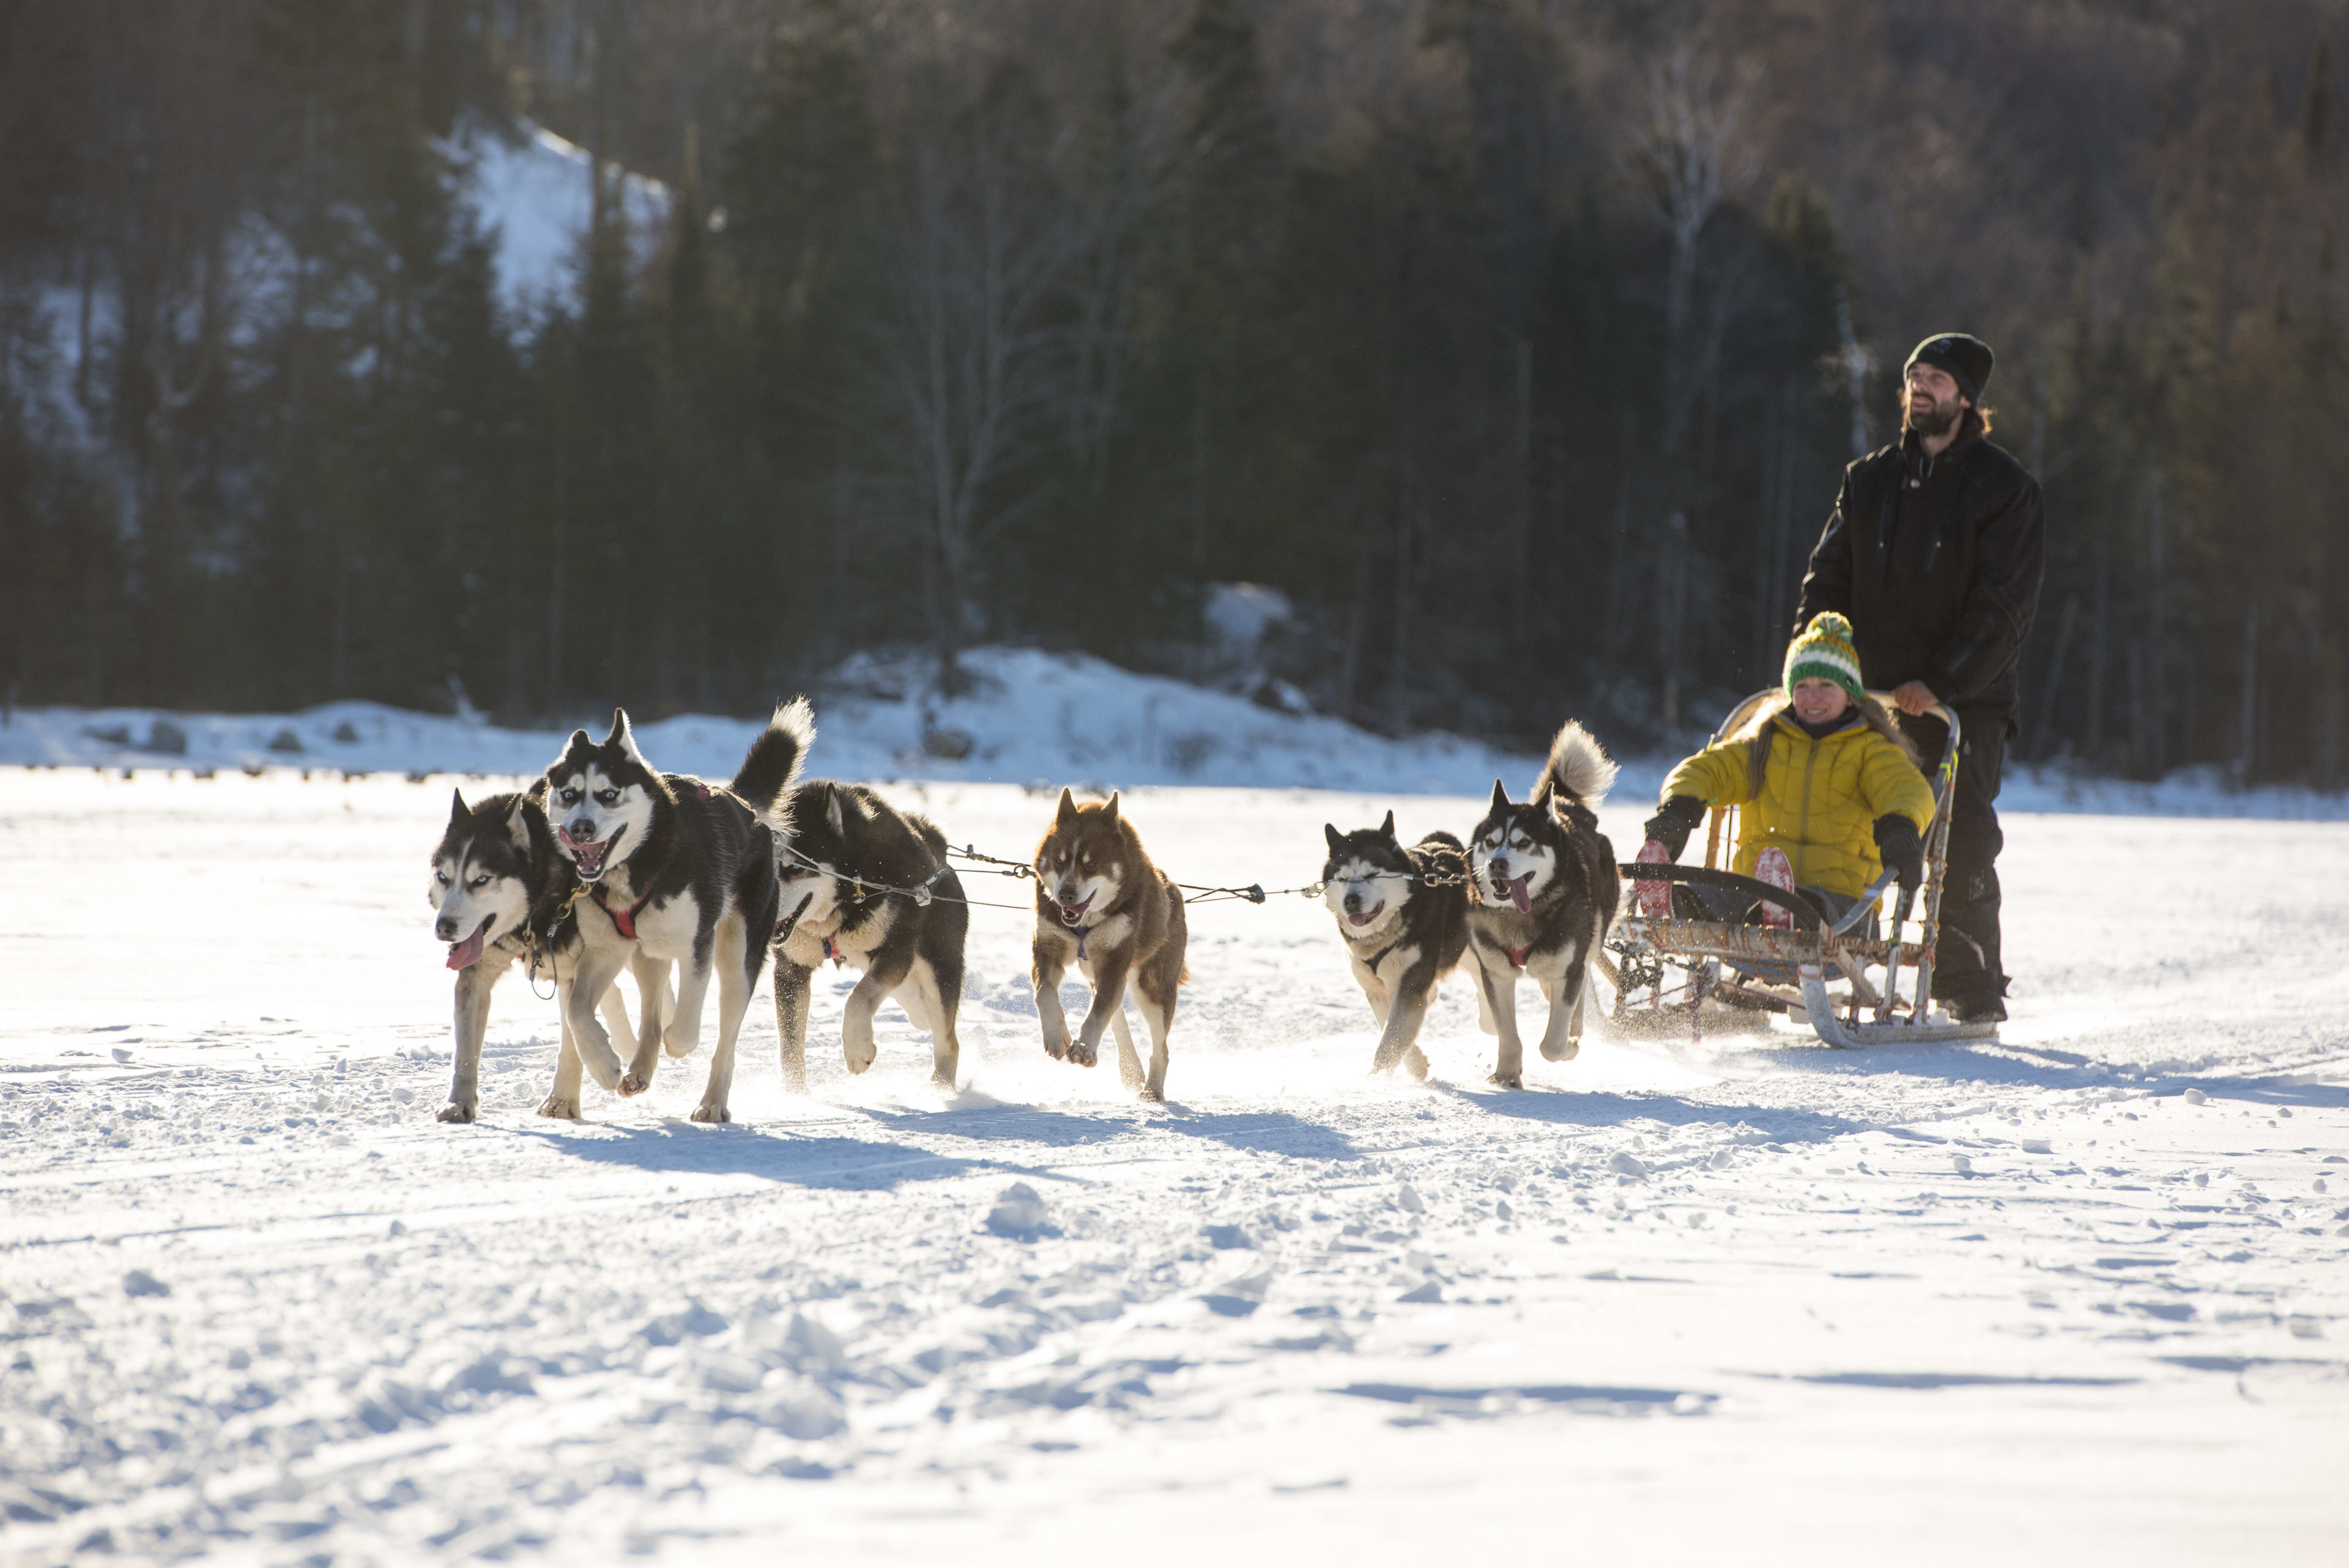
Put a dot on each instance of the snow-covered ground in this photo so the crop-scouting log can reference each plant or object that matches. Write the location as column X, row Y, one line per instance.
column 2077, row 1297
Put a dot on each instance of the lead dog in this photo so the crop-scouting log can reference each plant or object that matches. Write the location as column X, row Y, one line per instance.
column 502, row 895
column 680, row 870
column 1546, row 890
column 1404, row 914
column 1101, row 904
column 836, row 841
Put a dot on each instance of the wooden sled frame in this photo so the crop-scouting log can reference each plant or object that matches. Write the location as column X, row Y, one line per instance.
column 1819, row 972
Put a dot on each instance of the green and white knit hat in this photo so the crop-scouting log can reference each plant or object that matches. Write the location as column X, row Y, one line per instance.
column 1824, row 651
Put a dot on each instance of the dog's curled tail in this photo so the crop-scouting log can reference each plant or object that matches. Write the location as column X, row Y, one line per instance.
column 773, row 764
column 1578, row 766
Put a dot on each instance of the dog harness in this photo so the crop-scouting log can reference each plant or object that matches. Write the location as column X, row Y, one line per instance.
column 831, row 951
column 624, row 920
column 1517, row 955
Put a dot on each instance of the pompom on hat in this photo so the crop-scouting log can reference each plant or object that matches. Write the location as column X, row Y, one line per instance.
column 1967, row 359
column 1824, row 651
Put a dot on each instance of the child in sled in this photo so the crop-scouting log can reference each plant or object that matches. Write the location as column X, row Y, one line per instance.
column 1831, row 791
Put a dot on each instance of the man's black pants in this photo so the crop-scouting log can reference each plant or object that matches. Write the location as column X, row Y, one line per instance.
column 1966, row 966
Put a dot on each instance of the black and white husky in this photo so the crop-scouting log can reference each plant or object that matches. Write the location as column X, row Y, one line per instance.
column 500, row 895
column 1546, row 890
column 839, row 841
column 1404, row 913
column 676, row 869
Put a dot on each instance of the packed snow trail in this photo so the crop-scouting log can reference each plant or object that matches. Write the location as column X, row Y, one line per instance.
column 2074, row 1297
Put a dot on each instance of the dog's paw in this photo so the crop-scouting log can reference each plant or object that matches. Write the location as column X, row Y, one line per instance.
column 858, row 1054
column 1056, row 1043
column 453, row 1112
column 1082, row 1056
column 603, row 1066
column 677, row 1044
column 1566, row 1051
column 712, row 1113
column 1506, row 1080
column 561, row 1107
column 1150, row 1097
column 1414, row 1062
column 632, row 1084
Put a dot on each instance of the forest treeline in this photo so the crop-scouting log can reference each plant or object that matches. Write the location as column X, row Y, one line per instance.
column 1520, row 342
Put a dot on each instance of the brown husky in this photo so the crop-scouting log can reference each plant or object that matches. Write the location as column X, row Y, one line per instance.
column 1099, row 900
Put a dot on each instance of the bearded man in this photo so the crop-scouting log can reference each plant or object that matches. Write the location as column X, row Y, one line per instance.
column 1934, row 553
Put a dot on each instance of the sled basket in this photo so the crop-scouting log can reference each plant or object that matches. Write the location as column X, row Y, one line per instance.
column 1853, row 986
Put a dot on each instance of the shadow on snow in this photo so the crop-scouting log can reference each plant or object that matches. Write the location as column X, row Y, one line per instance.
column 842, row 1163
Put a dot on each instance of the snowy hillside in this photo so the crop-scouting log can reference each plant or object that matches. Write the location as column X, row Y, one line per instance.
column 1034, row 719
column 529, row 190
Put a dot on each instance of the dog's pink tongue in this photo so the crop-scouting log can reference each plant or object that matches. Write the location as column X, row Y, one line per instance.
column 1517, row 892
column 467, row 953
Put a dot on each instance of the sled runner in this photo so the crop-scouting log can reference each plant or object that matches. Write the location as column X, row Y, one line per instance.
column 1853, row 985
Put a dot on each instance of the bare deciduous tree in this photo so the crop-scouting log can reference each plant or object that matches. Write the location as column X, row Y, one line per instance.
column 1008, row 302
column 971, row 353
column 1691, row 152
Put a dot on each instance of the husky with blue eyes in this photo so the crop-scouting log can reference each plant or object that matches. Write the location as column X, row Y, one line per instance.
column 1402, row 912
column 502, row 895
column 1545, row 891
column 675, row 871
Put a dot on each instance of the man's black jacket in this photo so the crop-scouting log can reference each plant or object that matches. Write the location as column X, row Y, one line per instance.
column 1936, row 562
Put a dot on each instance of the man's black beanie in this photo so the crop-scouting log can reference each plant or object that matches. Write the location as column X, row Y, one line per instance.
column 1965, row 357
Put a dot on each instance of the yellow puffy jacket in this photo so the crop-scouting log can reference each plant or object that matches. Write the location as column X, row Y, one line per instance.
column 1819, row 800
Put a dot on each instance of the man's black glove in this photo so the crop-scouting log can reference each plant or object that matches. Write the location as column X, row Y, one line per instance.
column 1897, row 841
column 1674, row 821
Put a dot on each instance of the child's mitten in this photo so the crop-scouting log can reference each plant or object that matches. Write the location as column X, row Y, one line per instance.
column 1897, row 841
column 1674, row 821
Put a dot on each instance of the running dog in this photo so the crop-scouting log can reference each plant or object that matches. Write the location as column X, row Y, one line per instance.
column 502, row 895
column 1404, row 913
column 839, row 845
column 1545, row 889
column 1100, row 903
column 678, row 870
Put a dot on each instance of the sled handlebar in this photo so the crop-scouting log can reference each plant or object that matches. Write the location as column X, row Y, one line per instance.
column 1868, row 901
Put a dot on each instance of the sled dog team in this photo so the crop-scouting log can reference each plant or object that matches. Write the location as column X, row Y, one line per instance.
column 606, row 863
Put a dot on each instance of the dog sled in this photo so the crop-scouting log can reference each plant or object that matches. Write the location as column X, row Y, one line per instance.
column 1852, row 983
